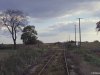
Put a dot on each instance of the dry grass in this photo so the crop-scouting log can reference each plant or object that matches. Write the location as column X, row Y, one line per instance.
column 91, row 45
column 6, row 53
column 15, row 62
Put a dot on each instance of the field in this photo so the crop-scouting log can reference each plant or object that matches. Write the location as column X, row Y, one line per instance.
column 16, row 62
column 6, row 53
column 29, row 59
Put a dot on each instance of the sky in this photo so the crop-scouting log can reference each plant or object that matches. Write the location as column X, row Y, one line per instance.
column 55, row 20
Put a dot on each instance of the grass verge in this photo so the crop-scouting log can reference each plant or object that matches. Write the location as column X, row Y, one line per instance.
column 88, row 56
column 18, row 63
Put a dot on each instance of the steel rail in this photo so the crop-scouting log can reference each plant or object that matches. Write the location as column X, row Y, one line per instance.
column 66, row 63
column 45, row 65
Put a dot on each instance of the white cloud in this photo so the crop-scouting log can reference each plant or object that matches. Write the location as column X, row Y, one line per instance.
column 55, row 19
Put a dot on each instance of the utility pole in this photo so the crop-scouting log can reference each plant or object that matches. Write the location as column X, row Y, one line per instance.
column 75, row 35
column 79, row 32
column 69, row 38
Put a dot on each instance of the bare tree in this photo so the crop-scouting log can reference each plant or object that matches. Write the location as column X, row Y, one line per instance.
column 13, row 20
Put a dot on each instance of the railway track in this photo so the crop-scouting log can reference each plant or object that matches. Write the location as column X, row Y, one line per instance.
column 65, row 64
column 45, row 65
column 58, row 64
column 71, row 64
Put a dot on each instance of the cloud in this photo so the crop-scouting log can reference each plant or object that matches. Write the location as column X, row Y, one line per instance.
column 56, row 18
column 59, row 30
column 96, row 14
column 70, row 27
column 47, row 8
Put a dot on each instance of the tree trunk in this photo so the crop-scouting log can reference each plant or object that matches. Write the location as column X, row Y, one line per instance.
column 14, row 37
column 14, row 40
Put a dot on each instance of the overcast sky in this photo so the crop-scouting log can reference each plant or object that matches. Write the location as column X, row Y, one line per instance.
column 55, row 19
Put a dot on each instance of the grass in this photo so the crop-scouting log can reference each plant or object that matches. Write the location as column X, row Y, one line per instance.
column 17, row 63
column 92, row 59
column 6, row 53
column 88, row 56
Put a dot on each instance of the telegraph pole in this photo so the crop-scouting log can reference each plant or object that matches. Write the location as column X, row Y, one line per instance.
column 75, row 35
column 69, row 38
column 79, row 32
